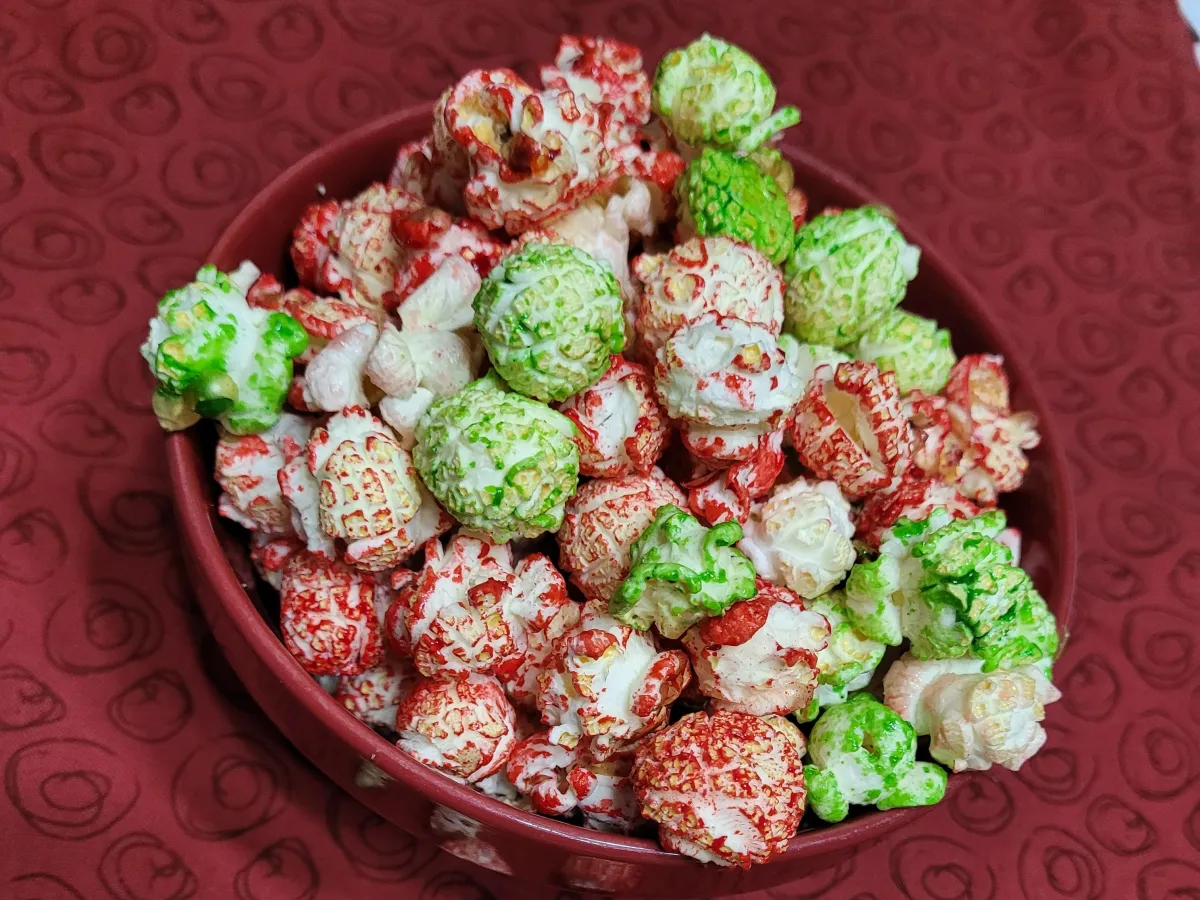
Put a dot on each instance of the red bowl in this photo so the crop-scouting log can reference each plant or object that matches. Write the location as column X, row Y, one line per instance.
column 419, row 800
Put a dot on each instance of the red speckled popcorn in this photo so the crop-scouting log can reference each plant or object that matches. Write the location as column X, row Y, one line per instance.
column 726, row 788
column 374, row 696
column 437, row 178
column 601, row 523
column 911, row 498
column 247, row 469
column 540, row 615
column 462, row 726
column 323, row 318
column 622, row 429
column 761, row 656
column 270, row 554
column 850, row 429
column 929, row 428
column 728, row 495
column 602, row 71
column 608, row 685
column 425, row 237
column 327, row 616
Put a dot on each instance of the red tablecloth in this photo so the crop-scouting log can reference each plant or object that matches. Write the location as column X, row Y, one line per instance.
column 1050, row 148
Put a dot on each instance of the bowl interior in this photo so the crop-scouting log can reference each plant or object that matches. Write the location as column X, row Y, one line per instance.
column 1042, row 508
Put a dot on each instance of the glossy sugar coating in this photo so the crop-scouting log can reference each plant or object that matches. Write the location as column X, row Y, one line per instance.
column 800, row 537
column 911, row 346
column 845, row 271
column 846, row 663
column 374, row 696
column 681, row 572
column 862, row 753
column 720, row 193
column 705, row 274
column 500, row 463
column 728, row 495
column 849, row 428
column 760, row 657
column 550, row 317
column 247, row 469
column 214, row 356
column 327, row 616
column 711, row 92
column 601, row 523
column 726, row 788
column 462, row 726
column 608, row 685
column 976, row 719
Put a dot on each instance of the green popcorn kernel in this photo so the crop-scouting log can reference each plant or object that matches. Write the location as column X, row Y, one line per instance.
column 848, row 660
column 500, row 463
column 711, row 92
column 215, row 356
column 720, row 193
column 550, row 317
column 911, row 346
column 681, row 573
column 863, row 753
column 846, row 270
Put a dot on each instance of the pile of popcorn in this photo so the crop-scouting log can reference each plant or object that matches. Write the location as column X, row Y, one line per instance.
column 453, row 446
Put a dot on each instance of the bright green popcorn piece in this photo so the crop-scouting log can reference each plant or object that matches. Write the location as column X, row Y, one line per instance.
column 720, row 193
column 550, row 317
column 711, row 92
column 848, row 660
column 862, row 753
column 846, row 270
column 500, row 463
column 681, row 573
column 214, row 356
column 911, row 346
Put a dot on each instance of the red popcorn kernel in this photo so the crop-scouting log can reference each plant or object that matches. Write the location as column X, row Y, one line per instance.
column 541, row 614
column 850, row 429
column 462, row 726
column 247, row 469
column 602, row 71
column 601, row 523
column 426, row 237
column 269, row 554
column 728, row 494
column 622, row 429
column 323, row 318
column 421, row 169
column 761, row 656
column 911, row 498
column 726, row 788
column 374, row 696
column 327, row 616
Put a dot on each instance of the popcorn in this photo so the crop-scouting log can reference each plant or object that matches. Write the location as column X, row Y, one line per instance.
column 322, row 318
column 862, row 753
column 601, row 523
column 426, row 237
column 800, row 537
column 550, row 317
column 977, row 719
column 463, row 727
column 727, row 495
column 727, row 788
column 706, row 274
column 247, row 469
column 212, row 355
column 760, row 657
column 911, row 498
column 846, row 271
column 541, row 614
column 846, row 663
column 681, row 573
column 911, row 346
column 425, row 170
column 621, row 429
column 327, row 616
column 269, row 555
column 849, row 428
column 608, row 685
column 374, row 696
column 601, row 70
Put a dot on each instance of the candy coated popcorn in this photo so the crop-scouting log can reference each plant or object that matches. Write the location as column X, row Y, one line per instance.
column 800, row 537
column 846, row 271
column 720, row 193
column 301, row 492
column 500, row 463
column 550, row 317
column 214, row 356
column 247, row 469
column 327, row 616
column 620, row 428
column 334, row 379
column 760, row 657
column 463, row 727
column 849, row 428
column 911, row 346
column 862, row 753
column 541, row 613
column 728, row 495
column 976, row 719
column 601, row 70
column 601, row 523
column 374, row 696
column 423, row 170
column 726, row 788
column 322, row 318
column 608, row 685
column 270, row 553
column 426, row 237
column 705, row 274
column 846, row 663
column 681, row 572
column 912, row 498
column 711, row 92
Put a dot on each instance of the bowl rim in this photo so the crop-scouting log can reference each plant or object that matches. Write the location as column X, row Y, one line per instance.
column 193, row 514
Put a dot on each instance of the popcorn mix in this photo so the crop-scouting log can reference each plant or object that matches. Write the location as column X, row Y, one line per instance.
column 473, row 394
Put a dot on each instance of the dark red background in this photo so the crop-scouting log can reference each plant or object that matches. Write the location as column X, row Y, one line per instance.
column 1049, row 148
